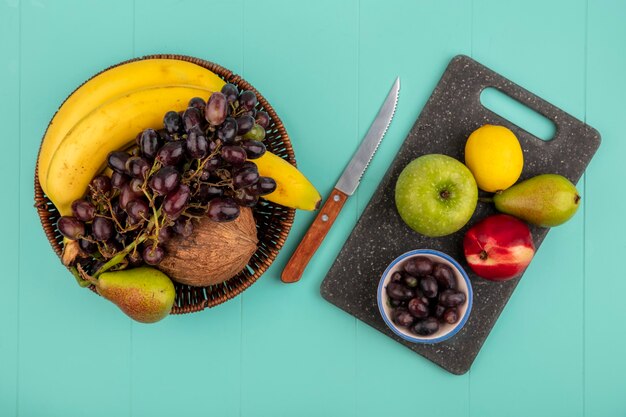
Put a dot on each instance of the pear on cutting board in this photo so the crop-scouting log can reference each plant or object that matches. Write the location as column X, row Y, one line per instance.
column 546, row 200
column 145, row 294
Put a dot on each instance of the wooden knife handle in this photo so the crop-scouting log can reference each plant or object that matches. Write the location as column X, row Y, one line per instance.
column 314, row 236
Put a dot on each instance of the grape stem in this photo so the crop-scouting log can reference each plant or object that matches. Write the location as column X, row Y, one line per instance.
column 119, row 257
column 82, row 282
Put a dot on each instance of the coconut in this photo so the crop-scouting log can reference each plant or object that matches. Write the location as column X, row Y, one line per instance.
column 213, row 253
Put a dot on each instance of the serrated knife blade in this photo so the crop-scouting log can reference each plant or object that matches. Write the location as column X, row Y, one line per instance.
column 351, row 177
column 345, row 187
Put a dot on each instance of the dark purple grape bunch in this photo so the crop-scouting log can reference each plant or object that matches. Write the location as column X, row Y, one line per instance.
column 199, row 164
column 424, row 295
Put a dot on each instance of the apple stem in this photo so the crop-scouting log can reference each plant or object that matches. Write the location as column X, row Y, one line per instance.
column 485, row 199
column 483, row 254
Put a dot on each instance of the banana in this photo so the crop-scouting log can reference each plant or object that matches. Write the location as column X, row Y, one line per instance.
column 293, row 189
column 83, row 151
column 109, row 86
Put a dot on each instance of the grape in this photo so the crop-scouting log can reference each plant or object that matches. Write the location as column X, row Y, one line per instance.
column 396, row 303
column 244, row 124
column 249, row 165
column 87, row 246
column 398, row 291
column 136, row 186
column 197, row 145
column 256, row 133
column 212, row 164
column 131, row 221
column 205, row 174
column 231, row 92
column 117, row 161
column 451, row 298
column 395, row 277
column 118, row 212
column 120, row 239
column 165, row 234
column 402, row 317
column 164, row 136
column 254, row 149
column 216, row 109
column 426, row 327
column 419, row 266
column 153, row 254
column 175, row 201
column 234, row 155
column 418, row 308
column 228, row 130
column 439, row 310
column 164, row 180
column 444, row 276
column 172, row 122
column 410, row 281
column 428, row 285
column 149, row 143
column 245, row 199
column 171, row 153
column 264, row 186
column 71, row 227
column 183, row 227
column 207, row 192
column 138, row 167
column 118, row 180
column 134, row 258
column 127, row 194
column 247, row 100
column 101, row 184
column 192, row 119
column 223, row 209
column 262, row 119
column 251, row 113
column 138, row 209
column 83, row 210
column 212, row 145
column 244, row 178
column 102, row 229
column 450, row 316
column 198, row 103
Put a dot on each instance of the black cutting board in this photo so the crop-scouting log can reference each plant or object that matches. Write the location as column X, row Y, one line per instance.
column 452, row 112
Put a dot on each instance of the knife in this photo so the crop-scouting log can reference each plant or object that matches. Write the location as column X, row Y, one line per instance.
column 345, row 187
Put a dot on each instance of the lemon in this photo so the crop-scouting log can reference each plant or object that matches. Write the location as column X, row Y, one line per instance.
column 494, row 155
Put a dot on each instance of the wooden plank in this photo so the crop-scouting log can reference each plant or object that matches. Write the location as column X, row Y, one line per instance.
column 413, row 40
column 9, row 208
column 605, row 329
column 189, row 364
column 298, row 352
column 74, row 346
column 531, row 364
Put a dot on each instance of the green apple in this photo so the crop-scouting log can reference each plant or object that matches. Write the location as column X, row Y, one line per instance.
column 436, row 195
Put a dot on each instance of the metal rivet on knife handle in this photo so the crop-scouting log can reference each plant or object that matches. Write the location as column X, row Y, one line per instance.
column 314, row 237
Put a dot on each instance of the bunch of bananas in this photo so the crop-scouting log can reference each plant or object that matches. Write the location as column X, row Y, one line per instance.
column 108, row 111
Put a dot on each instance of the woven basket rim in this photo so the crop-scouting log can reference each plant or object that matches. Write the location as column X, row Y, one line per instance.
column 42, row 203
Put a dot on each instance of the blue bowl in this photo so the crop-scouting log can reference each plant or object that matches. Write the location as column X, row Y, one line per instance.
column 446, row 330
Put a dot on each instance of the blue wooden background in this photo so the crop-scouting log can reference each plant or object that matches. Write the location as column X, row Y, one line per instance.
column 278, row 350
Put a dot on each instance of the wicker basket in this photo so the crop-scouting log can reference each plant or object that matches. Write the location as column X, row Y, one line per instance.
column 273, row 221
